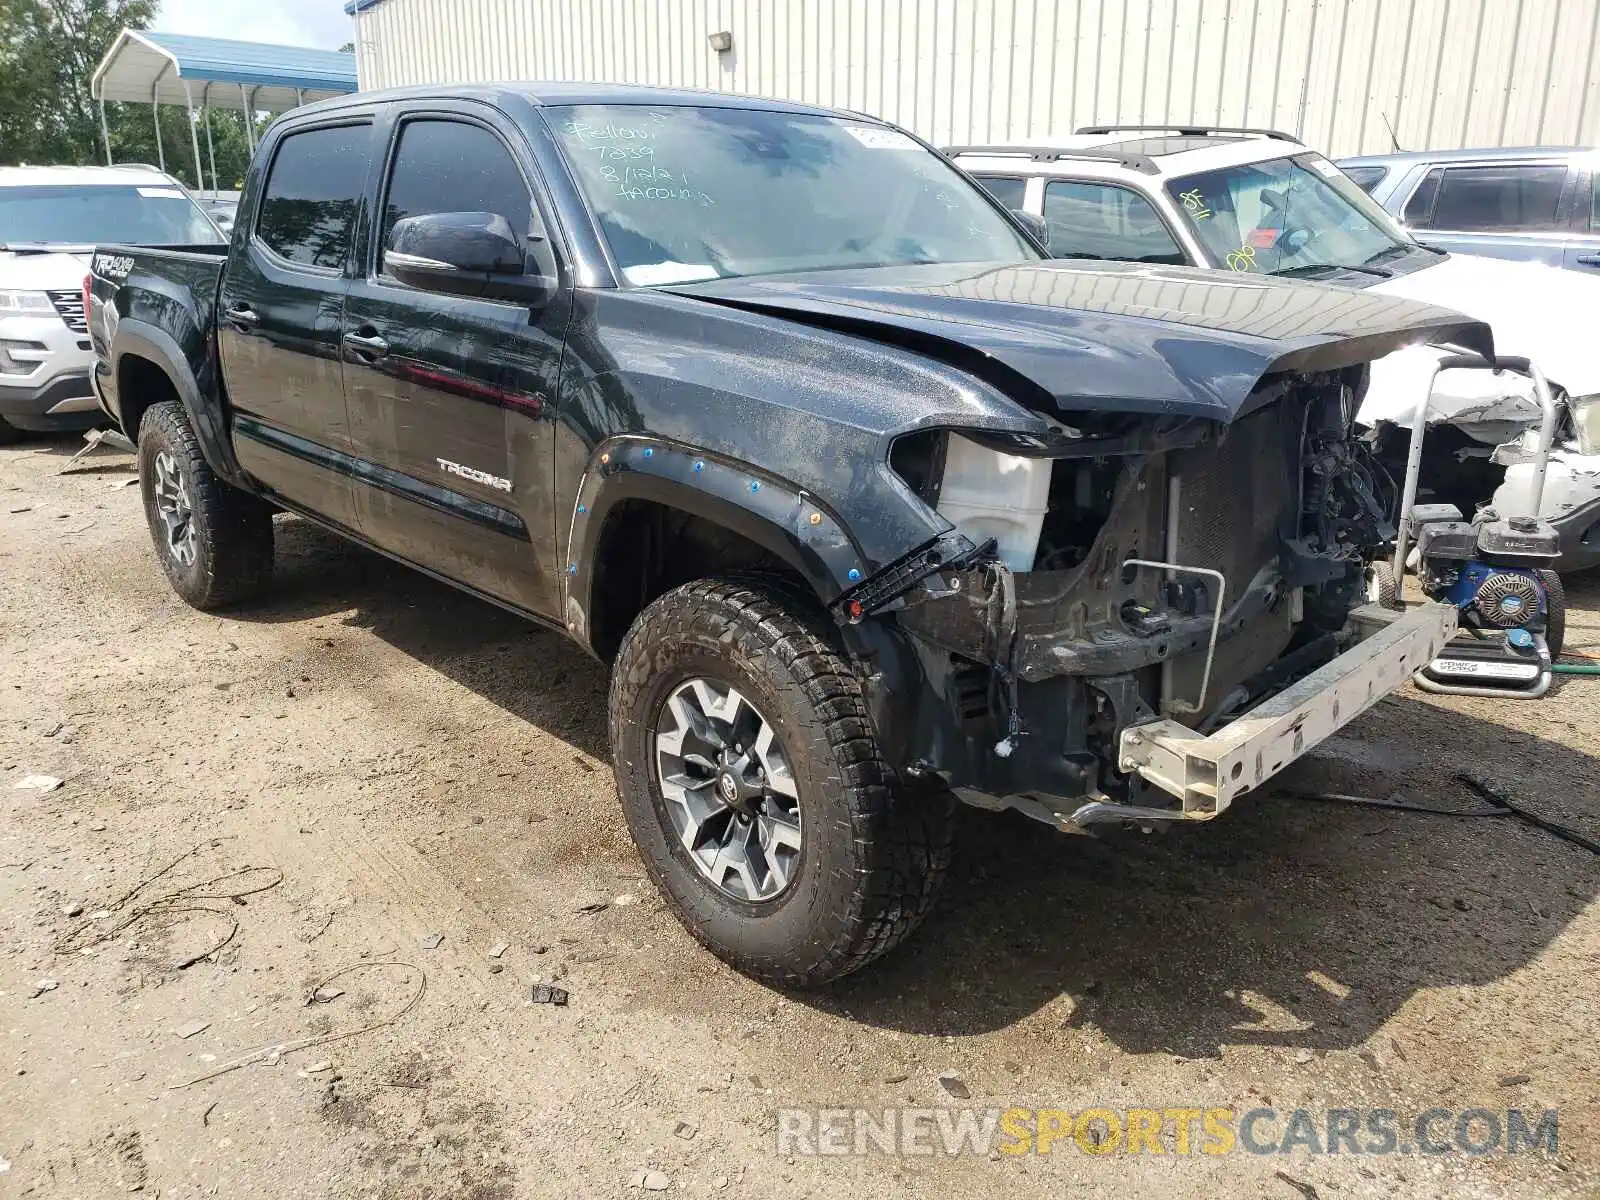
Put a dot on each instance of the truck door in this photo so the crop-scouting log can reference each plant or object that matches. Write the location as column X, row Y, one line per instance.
column 278, row 316
column 452, row 398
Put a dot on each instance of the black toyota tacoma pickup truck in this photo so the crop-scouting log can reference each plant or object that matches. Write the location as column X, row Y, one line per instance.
column 869, row 504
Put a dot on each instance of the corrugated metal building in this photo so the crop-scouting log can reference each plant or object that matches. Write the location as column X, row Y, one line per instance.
column 1341, row 73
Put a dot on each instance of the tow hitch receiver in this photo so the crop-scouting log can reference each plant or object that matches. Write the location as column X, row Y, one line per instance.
column 1207, row 773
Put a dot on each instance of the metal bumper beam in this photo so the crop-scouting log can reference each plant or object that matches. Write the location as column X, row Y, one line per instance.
column 1207, row 773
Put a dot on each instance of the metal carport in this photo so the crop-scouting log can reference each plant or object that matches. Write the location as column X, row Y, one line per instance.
column 143, row 67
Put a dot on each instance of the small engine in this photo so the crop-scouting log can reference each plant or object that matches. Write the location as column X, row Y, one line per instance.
column 1493, row 570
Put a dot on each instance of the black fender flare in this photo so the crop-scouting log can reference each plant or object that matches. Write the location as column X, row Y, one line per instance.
column 771, row 512
column 144, row 340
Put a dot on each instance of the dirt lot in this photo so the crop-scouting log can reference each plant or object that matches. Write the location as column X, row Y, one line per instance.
column 366, row 759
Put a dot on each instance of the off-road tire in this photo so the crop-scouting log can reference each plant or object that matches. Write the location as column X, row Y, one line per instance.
column 233, row 530
column 1555, row 613
column 873, row 854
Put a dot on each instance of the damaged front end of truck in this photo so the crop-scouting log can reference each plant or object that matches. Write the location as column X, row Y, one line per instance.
column 1188, row 613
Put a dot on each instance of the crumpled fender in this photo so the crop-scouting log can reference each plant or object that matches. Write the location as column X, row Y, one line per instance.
column 773, row 513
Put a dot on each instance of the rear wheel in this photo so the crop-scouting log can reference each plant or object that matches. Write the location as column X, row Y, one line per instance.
column 753, row 786
column 214, row 541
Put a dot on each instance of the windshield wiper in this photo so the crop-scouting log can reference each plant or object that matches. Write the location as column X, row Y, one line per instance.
column 1398, row 250
column 1306, row 268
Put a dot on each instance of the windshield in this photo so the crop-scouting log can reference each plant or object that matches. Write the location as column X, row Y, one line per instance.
column 78, row 215
column 1286, row 216
column 704, row 193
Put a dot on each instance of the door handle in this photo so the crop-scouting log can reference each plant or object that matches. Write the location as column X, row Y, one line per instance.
column 241, row 316
column 369, row 344
column 1589, row 260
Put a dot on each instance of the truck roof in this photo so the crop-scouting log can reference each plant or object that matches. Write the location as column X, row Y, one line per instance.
column 124, row 176
column 552, row 93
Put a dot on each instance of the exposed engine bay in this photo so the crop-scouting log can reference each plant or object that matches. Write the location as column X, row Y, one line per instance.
column 1181, row 569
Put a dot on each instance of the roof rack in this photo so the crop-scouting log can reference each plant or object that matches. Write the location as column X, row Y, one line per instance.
column 1136, row 162
column 1190, row 131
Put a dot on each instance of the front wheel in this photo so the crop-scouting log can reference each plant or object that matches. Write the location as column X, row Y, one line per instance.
column 752, row 784
column 214, row 541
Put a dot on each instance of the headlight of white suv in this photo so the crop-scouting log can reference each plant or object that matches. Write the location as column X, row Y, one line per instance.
column 1586, row 422
column 16, row 303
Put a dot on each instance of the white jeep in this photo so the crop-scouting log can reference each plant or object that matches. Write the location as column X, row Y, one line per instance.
column 1252, row 200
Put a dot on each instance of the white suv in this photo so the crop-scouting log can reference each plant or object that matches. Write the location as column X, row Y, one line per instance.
column 51, row 218
column 1259, row 201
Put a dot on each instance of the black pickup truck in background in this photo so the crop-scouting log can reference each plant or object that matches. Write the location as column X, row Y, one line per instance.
column 870, row 505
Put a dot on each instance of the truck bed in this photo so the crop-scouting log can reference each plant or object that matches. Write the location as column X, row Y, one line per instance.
column 170, row 289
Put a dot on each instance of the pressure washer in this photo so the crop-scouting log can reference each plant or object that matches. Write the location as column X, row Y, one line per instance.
column 1495, row 569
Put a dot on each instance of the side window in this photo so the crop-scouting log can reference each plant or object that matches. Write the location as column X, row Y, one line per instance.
column 449, row 167
column 1492, row 198
column 1594, row 204
column 1098, row 220
column 1007, row 189
column 1419, row 209
column 310, row 200
column 1366, row 178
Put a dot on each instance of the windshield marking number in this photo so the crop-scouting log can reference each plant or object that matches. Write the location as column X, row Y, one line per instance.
column 1242, row 259
column 1196, row 204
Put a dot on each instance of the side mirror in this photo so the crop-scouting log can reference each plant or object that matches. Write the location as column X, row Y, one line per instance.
column 466, row 254
column 1034, row 225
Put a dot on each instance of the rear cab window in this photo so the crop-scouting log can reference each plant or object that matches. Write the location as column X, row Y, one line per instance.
column 308, row 207
column 1102, row 220
column 450, row 166
column 1509, row 197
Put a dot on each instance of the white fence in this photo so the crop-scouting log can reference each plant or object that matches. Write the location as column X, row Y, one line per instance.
column 1340, row 73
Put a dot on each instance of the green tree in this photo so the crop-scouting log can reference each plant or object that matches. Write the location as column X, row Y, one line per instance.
column 49, row 50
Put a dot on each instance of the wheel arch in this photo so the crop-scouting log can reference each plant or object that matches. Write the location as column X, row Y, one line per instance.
column 638, row 489
column 143, row 357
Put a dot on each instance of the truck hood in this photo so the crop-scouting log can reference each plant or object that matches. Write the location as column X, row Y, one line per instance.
column 1115, row 337
column 33, row 272
column 1541, row 313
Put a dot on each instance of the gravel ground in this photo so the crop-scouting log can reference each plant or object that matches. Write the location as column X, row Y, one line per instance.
column 366, row 760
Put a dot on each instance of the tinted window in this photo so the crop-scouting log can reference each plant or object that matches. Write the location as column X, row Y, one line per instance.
column 1005, row 188
column 452, row 167
column 1472, row 198
column 310, row 201
column 1096, row 220
column 1420, row 206
column 1366, row 178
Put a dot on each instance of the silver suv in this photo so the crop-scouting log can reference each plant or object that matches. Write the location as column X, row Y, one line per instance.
column 51, row 218
column 1531, row 203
